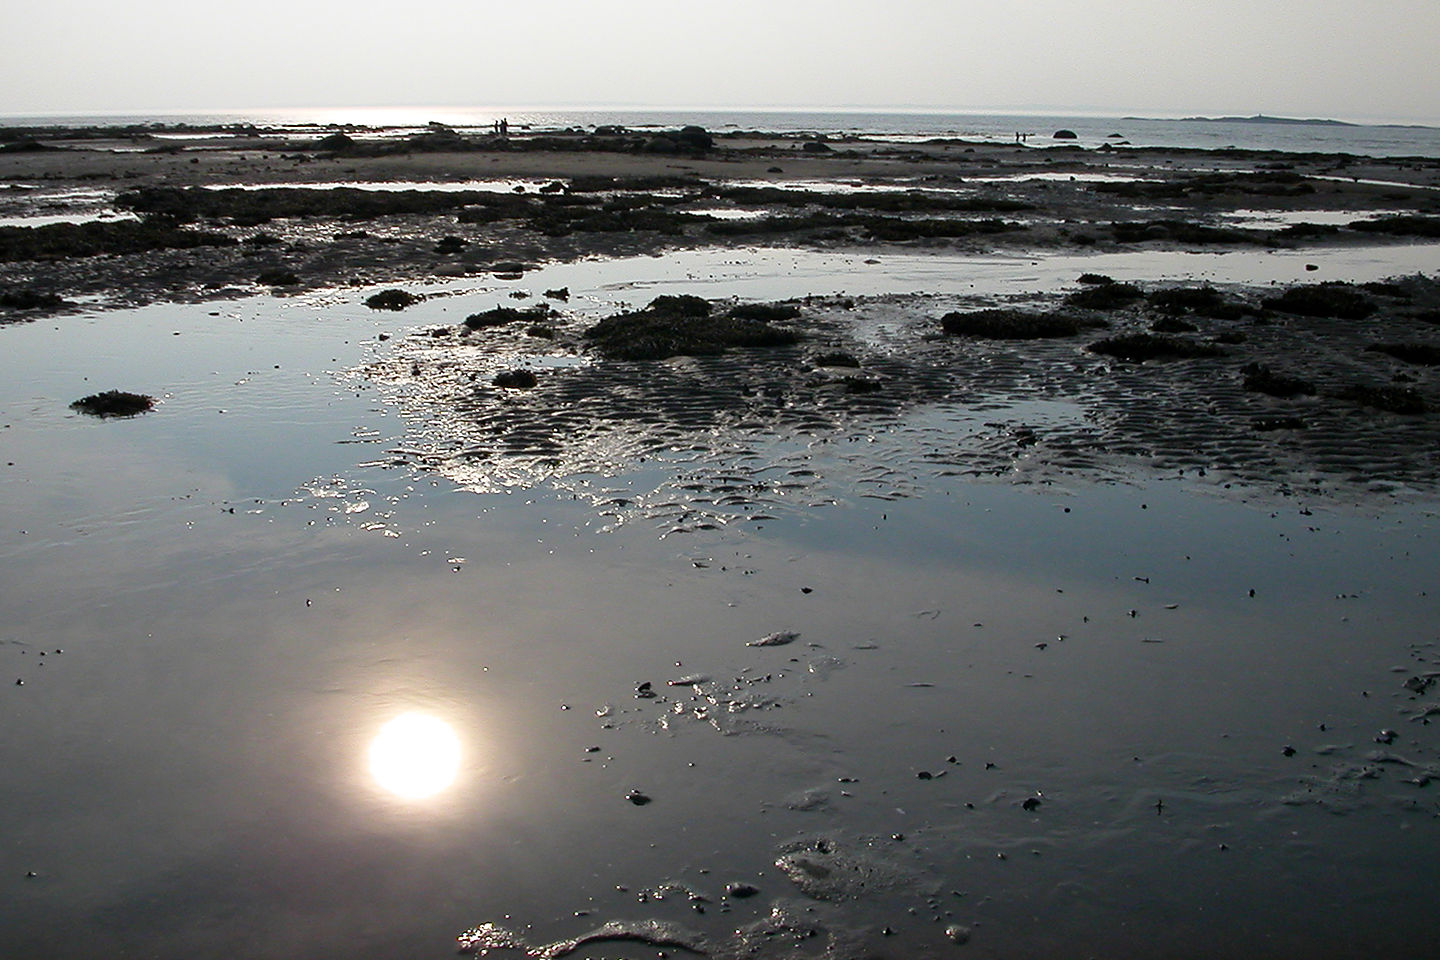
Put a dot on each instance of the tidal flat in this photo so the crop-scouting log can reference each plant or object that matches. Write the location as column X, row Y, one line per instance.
column 898, row 631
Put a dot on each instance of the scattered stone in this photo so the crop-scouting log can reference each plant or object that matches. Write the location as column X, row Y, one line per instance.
column 559, row 293
column 740, row 891
column 450, row 244
column 637, row 798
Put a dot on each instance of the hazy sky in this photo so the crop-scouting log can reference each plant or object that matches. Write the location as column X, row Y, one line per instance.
column 1330, row 58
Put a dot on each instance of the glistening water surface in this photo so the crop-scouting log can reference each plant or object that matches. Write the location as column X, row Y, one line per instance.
column 288, row 691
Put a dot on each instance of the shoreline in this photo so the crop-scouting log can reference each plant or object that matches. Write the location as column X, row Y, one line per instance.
column 1057, row 199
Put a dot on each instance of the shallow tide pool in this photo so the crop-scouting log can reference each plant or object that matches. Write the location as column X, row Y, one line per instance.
column 270, row 687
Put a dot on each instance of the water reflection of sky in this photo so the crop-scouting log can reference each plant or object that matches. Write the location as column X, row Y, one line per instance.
column 193, row 771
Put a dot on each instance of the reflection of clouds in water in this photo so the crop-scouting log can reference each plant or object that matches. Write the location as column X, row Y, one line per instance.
column 415, row 756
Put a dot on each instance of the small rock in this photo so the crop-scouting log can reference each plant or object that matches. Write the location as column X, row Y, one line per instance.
column 958, row 934
column 637, row 798
column 740, row 891
column 778, row 639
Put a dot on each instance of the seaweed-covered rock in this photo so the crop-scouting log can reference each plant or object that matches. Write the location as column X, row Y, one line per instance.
column 516, row 379
column 114, row 403
column 499, row 316
column 27, row 299
column 1105, row 296
column 277, row 278
column 681, row 326
column 392, row 300
column 1392, row 399
column 1423, row 354
column 336, row 143
column 765, row 311
column 1172, row 325
column 1337, row 301
column 1139, row 347
column 1406, row 225
column 999, row 324
column 1259, row 378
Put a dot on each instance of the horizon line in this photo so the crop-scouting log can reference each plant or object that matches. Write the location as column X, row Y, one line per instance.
column 631, row 107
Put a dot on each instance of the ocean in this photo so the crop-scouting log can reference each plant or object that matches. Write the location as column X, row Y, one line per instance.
column 1318, row 136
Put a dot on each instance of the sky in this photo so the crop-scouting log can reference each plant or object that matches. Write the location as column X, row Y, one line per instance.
column 1353, row 60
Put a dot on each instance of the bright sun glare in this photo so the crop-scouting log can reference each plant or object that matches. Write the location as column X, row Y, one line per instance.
column 415, row 756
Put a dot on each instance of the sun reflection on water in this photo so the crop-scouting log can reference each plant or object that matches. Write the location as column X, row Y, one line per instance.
column 415, row 756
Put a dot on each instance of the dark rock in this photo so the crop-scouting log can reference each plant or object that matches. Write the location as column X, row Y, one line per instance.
column 1172, row 325
column 1402, row 400
column 516, row 379
column 816, row 146
column 392, row 300
column 336, row 143
column 765, row 311
column 1001, row 324
column 1423, row 354
column 1271, row 424
column 1065, row 135
column 1105, row 296
column 278, row 278
column 1139, row 347
column 27, row 299
column 1336, row 301
column 114, row 403
column 450, row 244
column 680, row 326
column 740, row 891
column 1094, row 279
column 499, row 316
column 560, row 293
column 837, row 360
column 1259, row 378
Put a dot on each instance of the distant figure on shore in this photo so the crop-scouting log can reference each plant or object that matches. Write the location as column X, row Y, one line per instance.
column 504, row 127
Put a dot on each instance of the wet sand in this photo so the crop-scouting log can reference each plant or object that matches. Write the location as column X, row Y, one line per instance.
column 976, row 647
